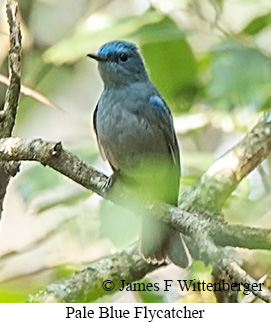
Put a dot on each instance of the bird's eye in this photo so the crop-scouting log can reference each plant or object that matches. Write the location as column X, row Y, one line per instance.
column 123, row 57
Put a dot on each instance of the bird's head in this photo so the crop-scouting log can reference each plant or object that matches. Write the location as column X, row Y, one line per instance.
column 120, row 63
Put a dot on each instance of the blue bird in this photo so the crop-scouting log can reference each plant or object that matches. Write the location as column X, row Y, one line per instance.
column 135, row 134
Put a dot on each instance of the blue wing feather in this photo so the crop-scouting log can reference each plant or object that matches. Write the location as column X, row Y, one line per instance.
column 166, row 123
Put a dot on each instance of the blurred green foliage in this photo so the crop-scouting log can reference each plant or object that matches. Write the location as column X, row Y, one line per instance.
column 211, row 61
column 240, row 76
column 12, row 296
column 258, row 24
column 118, row 224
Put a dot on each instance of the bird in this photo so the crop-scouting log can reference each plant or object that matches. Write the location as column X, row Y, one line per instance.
column 135, row 134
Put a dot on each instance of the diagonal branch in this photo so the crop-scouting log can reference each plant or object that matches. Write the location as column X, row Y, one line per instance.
column 221, row 179
column 189, row 223
column 230, row 175
column 52, row 154
column 88, row 285
column 222, row 176
column 216, row 184
column 195, row 225
column 121, row 268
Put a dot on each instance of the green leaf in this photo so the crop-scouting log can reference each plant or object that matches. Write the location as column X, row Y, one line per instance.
column 257, row 24
column 171, row 62
column 240, row 76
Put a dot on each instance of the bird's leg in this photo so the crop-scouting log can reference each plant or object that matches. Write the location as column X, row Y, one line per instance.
column 110, row 181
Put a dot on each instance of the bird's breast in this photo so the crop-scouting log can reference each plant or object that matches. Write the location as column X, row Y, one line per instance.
column 123, row 130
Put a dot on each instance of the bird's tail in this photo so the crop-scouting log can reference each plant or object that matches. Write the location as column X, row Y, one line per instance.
column 159, row 242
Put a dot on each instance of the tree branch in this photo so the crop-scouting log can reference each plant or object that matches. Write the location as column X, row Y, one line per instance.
column 87, row 285
column 53, row 155
column 195, row 225
column 127, row 265
column 221, row 179
column 9, row 111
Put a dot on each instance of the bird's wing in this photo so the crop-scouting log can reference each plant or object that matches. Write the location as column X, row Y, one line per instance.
column 162, row 112
column 95, row 129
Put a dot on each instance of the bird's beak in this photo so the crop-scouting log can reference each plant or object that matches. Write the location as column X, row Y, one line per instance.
column 99, row 58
